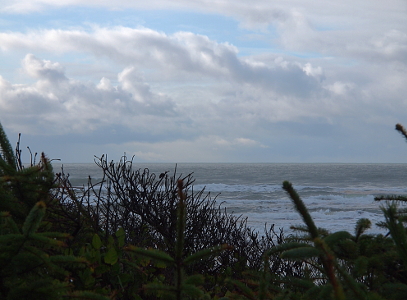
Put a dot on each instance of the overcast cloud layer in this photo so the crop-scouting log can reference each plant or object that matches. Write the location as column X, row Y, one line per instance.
column 206, row 81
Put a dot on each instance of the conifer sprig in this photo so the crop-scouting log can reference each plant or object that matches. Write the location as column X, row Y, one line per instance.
column 402, row 130
column 325, row 253
column 300, row 207
column 7, row 153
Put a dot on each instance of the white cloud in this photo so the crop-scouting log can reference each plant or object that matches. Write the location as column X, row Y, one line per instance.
column 365, row 29
column 331, row 69
column 186, row 52
column 391, row 45
column 105, row 85
column 55, row 104
column 315, row 72
column 201, row 149
column 21, row 7
column 273, row 89
column 340, row 88
column 248, row 142
column 43, row 69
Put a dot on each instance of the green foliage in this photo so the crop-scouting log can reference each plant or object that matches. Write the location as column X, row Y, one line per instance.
column 397, row 230
column 32, row 260
column 31, row 263
column 7, row 158
column 361, row 226
column 183, row 287
column 151, row 237
column 336, row 265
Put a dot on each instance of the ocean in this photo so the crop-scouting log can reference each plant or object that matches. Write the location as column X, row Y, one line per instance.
column 337, row 195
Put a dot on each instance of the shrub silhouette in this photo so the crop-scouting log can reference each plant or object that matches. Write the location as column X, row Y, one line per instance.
column 33, row 264
column 145, row 206
column 138, row 235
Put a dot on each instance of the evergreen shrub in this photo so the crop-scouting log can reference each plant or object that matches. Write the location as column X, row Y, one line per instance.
column 138, row 235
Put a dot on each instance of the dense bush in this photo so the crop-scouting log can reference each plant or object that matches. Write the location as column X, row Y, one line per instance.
column 138, row 235
column 33, row 264
column 145, row 205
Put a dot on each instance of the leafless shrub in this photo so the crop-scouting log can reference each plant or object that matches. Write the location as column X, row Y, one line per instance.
column 144, row 204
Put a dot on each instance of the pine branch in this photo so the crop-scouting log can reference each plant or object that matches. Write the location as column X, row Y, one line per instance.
column 326, row 255
column 300, row 207
column 402, row 130
column 7, row 153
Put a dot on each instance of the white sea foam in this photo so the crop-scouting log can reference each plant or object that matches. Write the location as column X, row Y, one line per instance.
column 220, row 188
column 337, row 195
column 332, row 212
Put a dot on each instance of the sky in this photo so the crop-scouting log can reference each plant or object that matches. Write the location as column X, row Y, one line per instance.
column 205, row 80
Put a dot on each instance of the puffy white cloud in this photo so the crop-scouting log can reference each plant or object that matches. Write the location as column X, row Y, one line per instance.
column 43, row 69
column 340, row 88
column 390, row 46
column 332, row 69
column 182, row 52
column 363, row 29
column 311, row 71
column 55, row 104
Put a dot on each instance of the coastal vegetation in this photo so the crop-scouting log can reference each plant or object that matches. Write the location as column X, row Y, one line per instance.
column 139, row 235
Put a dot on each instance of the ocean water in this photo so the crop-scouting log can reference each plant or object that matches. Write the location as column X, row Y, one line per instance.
column 337, row 195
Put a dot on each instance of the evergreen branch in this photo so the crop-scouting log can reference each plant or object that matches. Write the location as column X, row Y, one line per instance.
column 205, row 253
column 397, row 231
column 192, row 291
column 194, row 279
column 285, row 247
column 9, row 222
column 395, row 290
column 6, row 170
column 47, row 241
column 402, row 130
column 54, row 235
column 34, row 218
column 352, row 284
column 167, row 290
column 11, row 238
column 301, row 253
column 6, row 149
column 300, row 207
column 68, row 259
column 327, row 257
column 86, row 295
column 361, row 226
column 152, row 254
column 336, row 237
column 245, row 290
column 328, row 262
column 37, row 288
column 160, row 286
column 265, row 280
